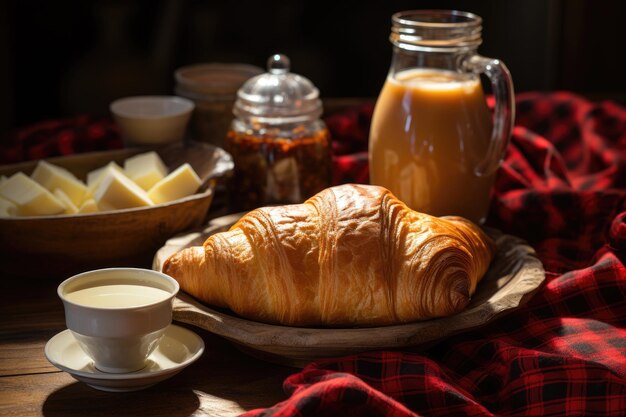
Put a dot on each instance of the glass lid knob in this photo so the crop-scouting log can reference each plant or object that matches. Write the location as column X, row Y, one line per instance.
column 278, row 64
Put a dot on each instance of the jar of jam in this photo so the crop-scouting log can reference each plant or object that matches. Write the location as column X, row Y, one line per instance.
column 280, row 146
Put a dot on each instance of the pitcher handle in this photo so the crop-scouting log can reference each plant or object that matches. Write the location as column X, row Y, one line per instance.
column 504, row 111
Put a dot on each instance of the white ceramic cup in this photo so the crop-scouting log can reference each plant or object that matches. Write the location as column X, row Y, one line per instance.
column 118, row 330
column 152, row 120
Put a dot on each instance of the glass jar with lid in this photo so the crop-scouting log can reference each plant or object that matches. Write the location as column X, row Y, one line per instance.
column 279, row 144
column 213, row 89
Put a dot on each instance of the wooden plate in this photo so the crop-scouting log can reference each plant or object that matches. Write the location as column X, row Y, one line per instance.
column 61, row 245
column 514, row 274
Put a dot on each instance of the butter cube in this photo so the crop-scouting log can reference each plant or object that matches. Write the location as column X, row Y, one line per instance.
column 70, row 207
column 52, row 177
column 7, row 208
column 88, row 206
column 145, row 169
column 94, row 177
column 182, row 182
column 116, row 191
column 29, row 196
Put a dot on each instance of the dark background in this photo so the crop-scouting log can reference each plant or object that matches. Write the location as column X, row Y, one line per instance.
column 62, row 58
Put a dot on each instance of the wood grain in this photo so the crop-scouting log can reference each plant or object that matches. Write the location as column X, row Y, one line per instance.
column 212, row 390
column 515, row 273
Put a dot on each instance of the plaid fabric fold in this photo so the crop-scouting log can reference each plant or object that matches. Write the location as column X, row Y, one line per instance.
column 562, row 187
column 59, row 137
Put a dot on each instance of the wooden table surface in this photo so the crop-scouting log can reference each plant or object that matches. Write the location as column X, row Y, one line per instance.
column 223, row 382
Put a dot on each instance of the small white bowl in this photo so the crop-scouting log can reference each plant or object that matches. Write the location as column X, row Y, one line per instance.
column 118, row 331
column 152, row 120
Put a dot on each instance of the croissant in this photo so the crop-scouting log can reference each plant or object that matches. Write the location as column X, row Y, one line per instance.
column 352, row 255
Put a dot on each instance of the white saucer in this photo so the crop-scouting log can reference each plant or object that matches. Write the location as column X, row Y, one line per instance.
column 178, row 348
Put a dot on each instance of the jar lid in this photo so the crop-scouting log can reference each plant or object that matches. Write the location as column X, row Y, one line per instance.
column 278, row 96
column 213, row 81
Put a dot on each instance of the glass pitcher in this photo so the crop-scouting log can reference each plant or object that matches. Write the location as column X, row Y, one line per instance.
column 433, row 141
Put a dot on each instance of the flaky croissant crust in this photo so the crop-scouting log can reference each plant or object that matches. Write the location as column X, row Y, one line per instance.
column 352, row 255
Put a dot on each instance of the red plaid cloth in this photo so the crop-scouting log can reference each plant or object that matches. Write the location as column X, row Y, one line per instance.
column 59, row 137
column 562, row 188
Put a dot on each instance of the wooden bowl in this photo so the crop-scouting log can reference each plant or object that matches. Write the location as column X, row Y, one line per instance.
column 62, row 245
column 513, row 276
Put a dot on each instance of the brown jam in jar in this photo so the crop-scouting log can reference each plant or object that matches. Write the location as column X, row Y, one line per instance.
column 281, row 169
column 279, row 144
